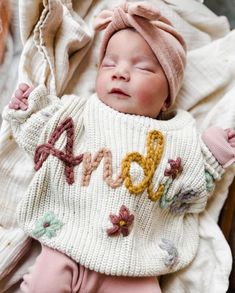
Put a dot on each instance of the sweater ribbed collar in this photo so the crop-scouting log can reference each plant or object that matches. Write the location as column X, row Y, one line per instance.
column 175, row 120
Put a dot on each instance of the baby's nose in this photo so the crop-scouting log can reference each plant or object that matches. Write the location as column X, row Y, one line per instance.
column 121, row 74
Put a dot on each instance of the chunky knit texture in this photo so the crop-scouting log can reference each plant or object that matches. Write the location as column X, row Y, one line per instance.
column 99, row 220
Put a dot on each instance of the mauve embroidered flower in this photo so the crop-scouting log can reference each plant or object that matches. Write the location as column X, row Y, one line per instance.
column 182, row 201
column 175, row 168
column 121, row 223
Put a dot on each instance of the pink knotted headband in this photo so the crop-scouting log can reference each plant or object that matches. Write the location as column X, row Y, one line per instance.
column 167, row 44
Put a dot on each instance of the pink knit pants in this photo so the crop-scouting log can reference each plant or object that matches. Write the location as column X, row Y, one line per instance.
column 54, row 272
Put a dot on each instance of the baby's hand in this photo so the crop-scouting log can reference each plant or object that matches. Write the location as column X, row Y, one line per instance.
column 20, row 98
column 231, row 136
column 221, row 143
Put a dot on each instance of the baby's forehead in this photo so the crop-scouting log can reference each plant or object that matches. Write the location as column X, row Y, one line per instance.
column 137, row 57
column 130, row 44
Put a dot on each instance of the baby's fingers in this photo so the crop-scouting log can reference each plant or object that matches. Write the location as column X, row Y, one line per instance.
column 232, row 142
column 231, row 136
column 231, row 133
column 13, row 106
column 17, row 103
column 19, row 94
column 28, row 91
column 23, row 87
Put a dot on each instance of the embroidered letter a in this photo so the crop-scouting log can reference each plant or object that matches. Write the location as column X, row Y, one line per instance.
column 44, row 150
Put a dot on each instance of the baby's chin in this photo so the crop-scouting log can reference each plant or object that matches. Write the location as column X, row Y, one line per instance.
column 131, row 111
column 118, row 105
column 125, row 106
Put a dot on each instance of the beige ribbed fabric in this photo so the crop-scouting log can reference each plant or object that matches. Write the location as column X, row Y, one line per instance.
column 163, row 236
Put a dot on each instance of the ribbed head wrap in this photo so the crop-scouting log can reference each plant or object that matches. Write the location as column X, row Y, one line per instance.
column 166, row 43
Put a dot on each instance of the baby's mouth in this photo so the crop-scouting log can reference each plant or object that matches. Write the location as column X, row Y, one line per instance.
column 118, row 92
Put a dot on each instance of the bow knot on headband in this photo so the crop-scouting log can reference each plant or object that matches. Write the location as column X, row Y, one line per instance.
column 165, row 41
column 141, row 9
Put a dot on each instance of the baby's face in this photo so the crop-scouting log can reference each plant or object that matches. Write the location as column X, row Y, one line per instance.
column 130, row 78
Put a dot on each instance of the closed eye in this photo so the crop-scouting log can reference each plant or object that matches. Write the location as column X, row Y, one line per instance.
column 108, row 65
column 108, row 62
column 146, row 69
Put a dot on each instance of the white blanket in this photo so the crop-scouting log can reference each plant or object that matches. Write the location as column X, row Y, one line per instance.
column 60, row 51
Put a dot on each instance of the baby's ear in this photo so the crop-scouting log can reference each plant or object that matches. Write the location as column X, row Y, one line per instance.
column 166, row 104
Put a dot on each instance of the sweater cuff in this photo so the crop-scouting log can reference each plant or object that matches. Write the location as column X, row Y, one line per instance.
column 27, row 126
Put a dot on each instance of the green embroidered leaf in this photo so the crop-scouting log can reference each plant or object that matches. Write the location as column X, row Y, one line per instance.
column 165, row 201
column 210, row 183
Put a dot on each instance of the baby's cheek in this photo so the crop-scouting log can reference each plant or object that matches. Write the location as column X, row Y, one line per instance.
column 145, row 97
column 100, row 85
column 145, row 87
column 144, row 102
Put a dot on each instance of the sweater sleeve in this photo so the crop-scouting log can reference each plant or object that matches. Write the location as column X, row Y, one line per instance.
column 28, row 125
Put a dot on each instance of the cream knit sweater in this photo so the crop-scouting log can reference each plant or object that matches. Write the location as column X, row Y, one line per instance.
column 105, row 192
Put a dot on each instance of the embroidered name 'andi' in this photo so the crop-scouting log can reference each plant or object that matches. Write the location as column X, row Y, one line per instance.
column 148, row 163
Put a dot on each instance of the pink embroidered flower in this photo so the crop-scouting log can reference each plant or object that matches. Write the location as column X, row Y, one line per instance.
column 175, row 168
column 121, row 223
